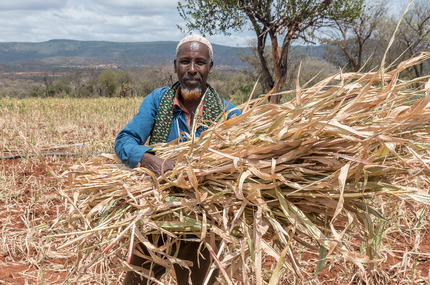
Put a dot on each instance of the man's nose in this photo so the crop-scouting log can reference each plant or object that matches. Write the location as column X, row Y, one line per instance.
column 192, row 68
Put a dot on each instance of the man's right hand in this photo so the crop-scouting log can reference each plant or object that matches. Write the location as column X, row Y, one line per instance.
column 156, row 164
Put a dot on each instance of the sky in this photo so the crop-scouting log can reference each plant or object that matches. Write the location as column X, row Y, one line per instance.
column 102, row 20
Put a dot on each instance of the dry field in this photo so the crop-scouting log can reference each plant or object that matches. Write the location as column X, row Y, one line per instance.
column 73, row 131
column 29, row 200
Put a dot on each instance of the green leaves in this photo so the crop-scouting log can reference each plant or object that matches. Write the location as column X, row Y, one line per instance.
column 211, row 17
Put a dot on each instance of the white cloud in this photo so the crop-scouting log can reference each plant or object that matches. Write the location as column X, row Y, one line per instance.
column 40, row 5
column 104, row 20
column 84, row 20
column 137, row 7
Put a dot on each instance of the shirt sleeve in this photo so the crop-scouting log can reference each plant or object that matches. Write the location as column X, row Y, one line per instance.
column 231, row 109
column 129, row 142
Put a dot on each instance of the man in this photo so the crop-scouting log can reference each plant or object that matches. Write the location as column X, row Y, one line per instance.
column 165, row 115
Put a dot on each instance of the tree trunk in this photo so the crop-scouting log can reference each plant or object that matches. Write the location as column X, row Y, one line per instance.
column 267, row 80
column 267, row 77
column 279, row 66
column 277, row 87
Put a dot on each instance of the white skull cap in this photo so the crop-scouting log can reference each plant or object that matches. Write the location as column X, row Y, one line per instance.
column 196, row 38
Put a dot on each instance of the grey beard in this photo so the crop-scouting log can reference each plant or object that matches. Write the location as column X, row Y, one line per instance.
column 191, row 94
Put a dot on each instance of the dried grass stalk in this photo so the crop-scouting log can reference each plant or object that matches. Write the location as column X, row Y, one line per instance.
column 305, row 171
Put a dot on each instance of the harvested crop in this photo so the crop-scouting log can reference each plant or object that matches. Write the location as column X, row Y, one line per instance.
column 301, row 173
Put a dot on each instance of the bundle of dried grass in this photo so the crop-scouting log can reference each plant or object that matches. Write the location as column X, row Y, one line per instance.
column 305, row 172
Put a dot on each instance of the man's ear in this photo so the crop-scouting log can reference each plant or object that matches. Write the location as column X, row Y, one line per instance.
column 174, row 66
column 211, row 67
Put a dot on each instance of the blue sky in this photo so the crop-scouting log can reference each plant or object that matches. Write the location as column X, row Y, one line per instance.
column 102, row 20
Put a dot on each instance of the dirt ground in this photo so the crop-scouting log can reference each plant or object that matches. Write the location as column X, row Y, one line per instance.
column 30, row 208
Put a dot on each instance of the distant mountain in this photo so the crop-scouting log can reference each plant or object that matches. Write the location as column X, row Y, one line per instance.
column 61, row 55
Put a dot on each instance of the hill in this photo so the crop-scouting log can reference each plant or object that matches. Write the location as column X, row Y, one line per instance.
column 64, row 55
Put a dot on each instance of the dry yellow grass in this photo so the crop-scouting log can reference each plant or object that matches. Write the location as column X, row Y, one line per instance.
column 313, row 175
column 29, row 200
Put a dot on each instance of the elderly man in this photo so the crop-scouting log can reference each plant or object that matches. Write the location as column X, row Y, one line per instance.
column 165, row 115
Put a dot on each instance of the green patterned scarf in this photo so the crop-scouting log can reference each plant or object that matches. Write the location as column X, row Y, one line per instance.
column 212, row 107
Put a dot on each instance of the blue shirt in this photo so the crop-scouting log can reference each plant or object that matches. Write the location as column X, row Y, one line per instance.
column 129, row 142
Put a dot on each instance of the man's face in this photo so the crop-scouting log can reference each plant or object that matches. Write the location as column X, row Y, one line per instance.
column 193, row 66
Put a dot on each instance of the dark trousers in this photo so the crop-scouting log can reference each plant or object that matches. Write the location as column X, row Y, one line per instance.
column 187, row 251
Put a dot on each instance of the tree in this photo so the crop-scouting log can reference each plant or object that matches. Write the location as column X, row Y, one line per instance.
column 47, row 81
column 279, row 21
column 107, row 83
column 347, row 42
column 299, row 60
column 414, row 33
column 125, row 81
column 150, row 78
